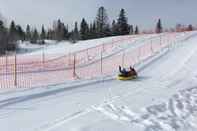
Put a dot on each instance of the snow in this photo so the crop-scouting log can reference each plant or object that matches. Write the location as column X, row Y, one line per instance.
column 65, row 47
column 58, row 49
column 164, row 98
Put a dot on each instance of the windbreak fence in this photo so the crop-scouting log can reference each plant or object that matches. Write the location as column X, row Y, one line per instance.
column 21, row 71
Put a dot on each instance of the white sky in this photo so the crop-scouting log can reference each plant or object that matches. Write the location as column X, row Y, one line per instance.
column 142, row 12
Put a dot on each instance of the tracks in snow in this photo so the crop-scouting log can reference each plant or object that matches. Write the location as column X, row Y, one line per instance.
column 175, row 114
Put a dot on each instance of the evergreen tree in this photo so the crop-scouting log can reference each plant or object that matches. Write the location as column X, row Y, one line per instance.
column 72, row 37
column 28, row 33
column 50, row 34
column 107, row 30
column 123, row 26
column 3, row 37
column 136, row 30
column 91, row 32
column 75, row 33
column 190, row 28
column 94, row 30
column 59, row 30
column 59, row 33
column 102, row 22
column 84, row 30
column 12, row 32
column 115, row 28
column 159, row 28
column 12, row 37
column 131, row 30
column 65, row 32
column 20, row 33
column 43, row 33
column 35, row 36
column 2, row 27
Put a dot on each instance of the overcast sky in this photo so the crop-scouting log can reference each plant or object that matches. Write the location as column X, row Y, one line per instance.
column 142, row 12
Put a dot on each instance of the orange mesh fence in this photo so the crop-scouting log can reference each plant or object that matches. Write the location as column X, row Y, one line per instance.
column 24, row 71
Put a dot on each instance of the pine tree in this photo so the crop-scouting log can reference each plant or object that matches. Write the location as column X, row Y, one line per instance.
column 50, row 34
column 2, row 27
column 20, row 33
column 94, row 31
column 75, row 33
column 136, row 30
column 59, row 30
column 35, row 36
column 123, row 26
column 12, row 37
column 102, row 22
column 72, row 37
column 107, row 30
column 43, row 33
column 159, row 28
column 131, row 30
column 115, row 29
column 65, row 32
column 190, row 27
column 59, row 33
column 12, row 32
column 3, row 37
column 84, row 29
column 28, row 33
column 91, row 32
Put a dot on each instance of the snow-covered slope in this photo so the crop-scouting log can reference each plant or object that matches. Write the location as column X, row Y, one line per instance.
column 163, row 98
column 54, row 48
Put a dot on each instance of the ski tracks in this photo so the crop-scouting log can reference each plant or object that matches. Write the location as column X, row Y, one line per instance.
column 172, row 115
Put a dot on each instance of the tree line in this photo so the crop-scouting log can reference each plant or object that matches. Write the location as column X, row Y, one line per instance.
column 99, row 28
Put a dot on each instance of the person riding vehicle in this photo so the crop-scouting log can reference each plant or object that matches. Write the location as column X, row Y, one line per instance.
column 127, row 75
column 123, row 71
column 133, row 71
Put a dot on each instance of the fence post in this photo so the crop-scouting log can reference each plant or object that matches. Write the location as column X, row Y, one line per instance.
column 112, row 43
column 103, row 48
column 160, row 39
column 15, row 70
column 151, row 42
column 139, row 54
column 43, row 56
column 6, row 63
column 123, row 55
column 87, row 54
column 74, row 66
column 101, row 63
column 68, row 60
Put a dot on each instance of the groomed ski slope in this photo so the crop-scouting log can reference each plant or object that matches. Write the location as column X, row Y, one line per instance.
column 163, row 98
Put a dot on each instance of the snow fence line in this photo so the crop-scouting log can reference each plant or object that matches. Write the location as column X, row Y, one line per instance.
column 95, row 62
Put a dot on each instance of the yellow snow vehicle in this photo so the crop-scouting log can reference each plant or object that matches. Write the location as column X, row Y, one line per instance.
column 127, row 75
